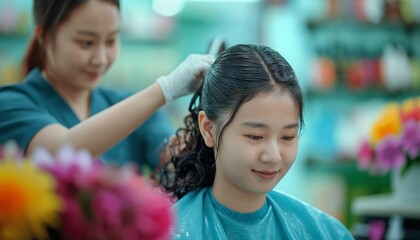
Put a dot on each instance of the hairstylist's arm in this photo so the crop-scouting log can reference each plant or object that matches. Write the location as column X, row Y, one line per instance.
column 102, row 131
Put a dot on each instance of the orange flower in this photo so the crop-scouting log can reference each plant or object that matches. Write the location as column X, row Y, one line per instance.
column 27, row 201
column 389, row 123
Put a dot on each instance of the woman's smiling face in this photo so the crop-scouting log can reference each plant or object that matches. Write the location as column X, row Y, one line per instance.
column 259, row 146
column 84, row 46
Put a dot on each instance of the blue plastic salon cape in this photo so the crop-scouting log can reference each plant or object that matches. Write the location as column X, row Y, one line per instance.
column 27, row 107
column 201, row 216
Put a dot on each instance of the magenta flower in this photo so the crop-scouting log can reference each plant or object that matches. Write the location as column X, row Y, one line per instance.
column 66, row 158
column 389, row 154
column 411, row 138
column 112, row 211
column 131, row 210
column 376, row 230
column 104, row 202
column 73, row 170
column 154, row 216
column 394, row 139
column 73, row 219
column 366, row 155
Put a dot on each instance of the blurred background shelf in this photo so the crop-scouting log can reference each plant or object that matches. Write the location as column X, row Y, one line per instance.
column 360, row 95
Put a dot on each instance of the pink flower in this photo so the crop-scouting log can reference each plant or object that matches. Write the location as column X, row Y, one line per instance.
column 366, row 155
column 72, row 169
column 110, row 208
column 376, row 230
column 411, row 138
column 66, row 158
column 394, row 139
column 154, row 214
column 74, row 220
column 410, row 109
column 132, row 210
column 389, row 154
column 104, row 202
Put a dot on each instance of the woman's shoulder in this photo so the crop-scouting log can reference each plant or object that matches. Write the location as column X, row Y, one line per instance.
column 18, row 92
column 291, row 203
column 313, row 221
column 192, row 204
column 191, row 210
column 33, row 87
column 285, row 198
column 195, row 197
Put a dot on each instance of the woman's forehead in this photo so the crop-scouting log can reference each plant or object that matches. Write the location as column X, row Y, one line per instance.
column 94, row 16
column 271, row 109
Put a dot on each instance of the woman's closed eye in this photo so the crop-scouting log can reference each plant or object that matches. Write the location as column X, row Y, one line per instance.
column 254, row 137
column 110, row 42
column 85, row 43
column 288, row 138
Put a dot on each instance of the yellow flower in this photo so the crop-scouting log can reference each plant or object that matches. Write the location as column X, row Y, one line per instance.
column 27, row 201
column 410, row 104
column 389, row 123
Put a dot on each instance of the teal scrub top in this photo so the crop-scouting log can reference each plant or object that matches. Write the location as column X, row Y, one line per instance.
column 27, row 107
column 200, row 216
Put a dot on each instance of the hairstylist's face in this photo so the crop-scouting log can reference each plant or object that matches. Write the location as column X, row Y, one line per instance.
column 84, row 46
column 259, row 146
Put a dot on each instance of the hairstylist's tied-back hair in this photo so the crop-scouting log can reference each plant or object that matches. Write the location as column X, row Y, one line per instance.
column 237, row 75
column 48, row 15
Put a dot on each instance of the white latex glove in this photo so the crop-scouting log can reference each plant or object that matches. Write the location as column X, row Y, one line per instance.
column 186, row 78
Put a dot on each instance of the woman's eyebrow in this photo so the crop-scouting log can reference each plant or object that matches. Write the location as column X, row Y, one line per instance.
column 254, row 124
column 292, row 125
column 262, row 125
column 94, row 34
column 85, row 32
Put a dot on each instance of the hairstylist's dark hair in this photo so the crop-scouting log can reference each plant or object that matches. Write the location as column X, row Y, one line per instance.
column 49, row 14
column 237, row 75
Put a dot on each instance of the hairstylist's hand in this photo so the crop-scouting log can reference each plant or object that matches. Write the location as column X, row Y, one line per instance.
column 186, row 78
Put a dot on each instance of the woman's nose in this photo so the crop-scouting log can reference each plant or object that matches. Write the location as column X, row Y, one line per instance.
column 272, row 152
column 100, row 56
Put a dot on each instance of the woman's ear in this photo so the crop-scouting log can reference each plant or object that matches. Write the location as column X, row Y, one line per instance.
column 38, row 35
column 206, row 129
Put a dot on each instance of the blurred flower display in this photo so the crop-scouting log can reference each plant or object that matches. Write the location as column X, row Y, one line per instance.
column 71, row 195
column 394, row 141
column 28, row 201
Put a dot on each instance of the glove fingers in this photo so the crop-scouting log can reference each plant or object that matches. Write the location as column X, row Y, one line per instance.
column 187, row 77
column 208, row 58
column 201, row 64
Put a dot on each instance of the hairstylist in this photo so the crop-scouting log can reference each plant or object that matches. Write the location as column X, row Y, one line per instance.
column 59, row 102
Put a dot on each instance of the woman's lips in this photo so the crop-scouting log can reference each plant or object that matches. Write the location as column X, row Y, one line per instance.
column 93, row 75
column 266, row 174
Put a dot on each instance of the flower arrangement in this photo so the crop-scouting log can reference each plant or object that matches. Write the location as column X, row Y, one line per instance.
column 394, row 141
column 73, row 196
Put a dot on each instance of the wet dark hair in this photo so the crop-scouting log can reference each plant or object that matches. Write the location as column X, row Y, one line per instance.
column 48, row 16
column 237, row 75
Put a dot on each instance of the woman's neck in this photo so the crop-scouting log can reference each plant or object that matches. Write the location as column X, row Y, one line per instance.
column 78, row 100
column 237, row 200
